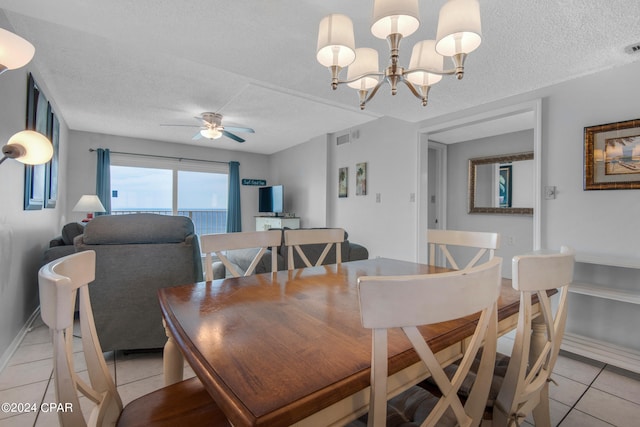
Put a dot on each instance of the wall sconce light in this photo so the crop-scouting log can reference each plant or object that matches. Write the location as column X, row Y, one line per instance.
column 15, row 52
column 89, row 203
column 28, row 147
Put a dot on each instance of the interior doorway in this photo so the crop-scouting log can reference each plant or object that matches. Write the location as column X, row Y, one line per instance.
column 432, row 168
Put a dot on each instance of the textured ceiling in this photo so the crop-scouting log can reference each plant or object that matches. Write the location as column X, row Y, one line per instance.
column 123, row 67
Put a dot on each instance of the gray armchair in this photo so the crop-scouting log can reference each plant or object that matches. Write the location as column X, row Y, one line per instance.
column 135, row 256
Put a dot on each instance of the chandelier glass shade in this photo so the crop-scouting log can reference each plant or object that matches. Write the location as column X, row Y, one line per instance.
column 458, row 34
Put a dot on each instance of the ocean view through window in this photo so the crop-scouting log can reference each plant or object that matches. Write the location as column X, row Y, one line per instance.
column 201, row 196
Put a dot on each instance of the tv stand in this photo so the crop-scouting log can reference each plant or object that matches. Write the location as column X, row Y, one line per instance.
column 266, row 222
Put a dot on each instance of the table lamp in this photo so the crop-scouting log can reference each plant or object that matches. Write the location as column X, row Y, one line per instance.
column 89, row 203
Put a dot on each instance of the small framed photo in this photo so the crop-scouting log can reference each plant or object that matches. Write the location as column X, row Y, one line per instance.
column 612, row 156
column 343, row 182
column 361, row 179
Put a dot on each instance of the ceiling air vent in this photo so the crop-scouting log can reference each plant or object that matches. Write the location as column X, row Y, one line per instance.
column 633, row 48
column 342, row 139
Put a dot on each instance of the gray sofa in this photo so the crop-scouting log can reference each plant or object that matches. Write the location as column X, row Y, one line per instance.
column 135, row 256
column 242, row 258
column 63, row 244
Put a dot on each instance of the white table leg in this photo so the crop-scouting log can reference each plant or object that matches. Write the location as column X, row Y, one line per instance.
column 172, row 360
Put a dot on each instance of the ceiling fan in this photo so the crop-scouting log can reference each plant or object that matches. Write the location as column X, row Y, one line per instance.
column 212, row 128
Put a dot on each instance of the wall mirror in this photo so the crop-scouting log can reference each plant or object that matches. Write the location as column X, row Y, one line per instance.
column 502, row 184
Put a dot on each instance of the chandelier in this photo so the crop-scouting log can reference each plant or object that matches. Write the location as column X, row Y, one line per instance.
column 458, row 34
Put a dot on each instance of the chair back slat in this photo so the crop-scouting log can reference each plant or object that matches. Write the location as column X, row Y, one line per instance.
column 295, row 239
column 486, row 243
column 537, row 342
column 407, row 302
column 60, row 282
column 218, row 244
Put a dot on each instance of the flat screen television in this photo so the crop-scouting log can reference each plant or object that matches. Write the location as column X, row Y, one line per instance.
column 271, row 199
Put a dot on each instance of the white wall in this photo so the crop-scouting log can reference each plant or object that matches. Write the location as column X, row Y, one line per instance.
column 23, row 234
column 516, row 231
column 385, row 228
column 82, row 175
column 303, row 172
column 591, row 221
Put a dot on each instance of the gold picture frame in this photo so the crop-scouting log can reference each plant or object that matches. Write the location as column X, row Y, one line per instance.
column 612, row 156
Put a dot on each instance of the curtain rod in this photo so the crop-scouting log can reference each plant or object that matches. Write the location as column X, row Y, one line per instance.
column 164, row 157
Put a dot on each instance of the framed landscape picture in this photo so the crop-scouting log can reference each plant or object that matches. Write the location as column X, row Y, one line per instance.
column 343, row 179
column 612, row 156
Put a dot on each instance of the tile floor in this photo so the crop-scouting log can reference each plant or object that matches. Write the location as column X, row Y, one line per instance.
column 588, row 393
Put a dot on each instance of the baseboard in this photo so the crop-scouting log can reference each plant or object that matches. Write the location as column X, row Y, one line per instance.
column 602, row 351
column 6, row 356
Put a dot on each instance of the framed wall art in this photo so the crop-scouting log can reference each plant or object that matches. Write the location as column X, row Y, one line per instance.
column 612, row 156
column 343, row 180
column 361, row 179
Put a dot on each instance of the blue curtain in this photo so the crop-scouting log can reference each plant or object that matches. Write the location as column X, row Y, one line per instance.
column 103, row 180
column 234, row 216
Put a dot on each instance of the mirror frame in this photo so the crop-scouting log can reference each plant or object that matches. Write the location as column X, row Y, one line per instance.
column 471, row 186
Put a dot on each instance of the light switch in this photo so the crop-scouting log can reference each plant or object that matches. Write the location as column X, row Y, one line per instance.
column 549, row 192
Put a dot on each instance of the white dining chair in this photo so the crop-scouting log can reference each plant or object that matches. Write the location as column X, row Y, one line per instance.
column 485, row 242
column 218, row 244
column 407, row 302
column 525, row 387
column 521, row 381
column 184, row 403
column 295, row 239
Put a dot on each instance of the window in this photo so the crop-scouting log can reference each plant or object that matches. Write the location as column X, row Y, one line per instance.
column 171, row 187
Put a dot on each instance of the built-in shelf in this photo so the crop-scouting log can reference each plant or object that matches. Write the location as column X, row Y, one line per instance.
column 606, row 293
column 599, row 291
column 608, row 260
column 623, row 357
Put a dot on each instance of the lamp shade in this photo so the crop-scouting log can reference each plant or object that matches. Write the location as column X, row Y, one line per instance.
column 424, row 56
column 459, row 28
column 366, row 62
column 29, row 147
column 395, row 16
column 211, row 133
column 15, row 52
column 336, row 45
column 89, row 203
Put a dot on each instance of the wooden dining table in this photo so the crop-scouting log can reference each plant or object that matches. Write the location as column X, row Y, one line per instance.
column 288, row 348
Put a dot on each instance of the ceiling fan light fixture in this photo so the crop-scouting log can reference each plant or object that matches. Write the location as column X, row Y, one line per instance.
column 211, row 133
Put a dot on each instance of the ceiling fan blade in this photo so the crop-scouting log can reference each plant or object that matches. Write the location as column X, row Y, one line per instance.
column 197, row 136
column 232, row 136
column 239, row 129
column 190, row 126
